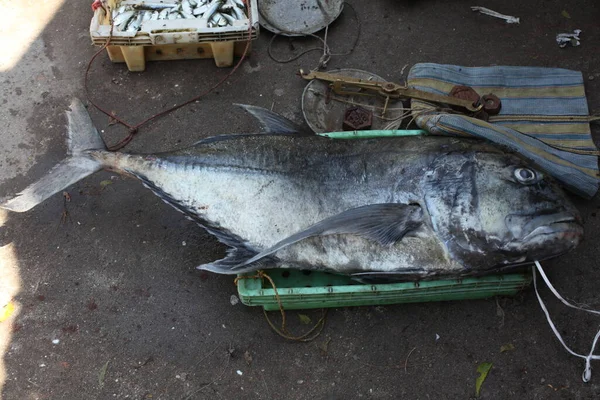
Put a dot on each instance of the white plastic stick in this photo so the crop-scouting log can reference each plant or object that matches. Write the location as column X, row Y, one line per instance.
column 587, row 373
column 508, row 18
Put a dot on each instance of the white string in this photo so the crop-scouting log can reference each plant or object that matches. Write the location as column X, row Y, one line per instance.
column 587, row 373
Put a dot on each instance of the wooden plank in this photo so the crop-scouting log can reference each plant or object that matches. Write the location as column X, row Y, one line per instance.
column 222, row 53
column 188, row 51
column 115, row 54
column 134, row 57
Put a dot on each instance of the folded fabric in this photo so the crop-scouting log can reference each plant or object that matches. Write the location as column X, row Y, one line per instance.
column 544, row 116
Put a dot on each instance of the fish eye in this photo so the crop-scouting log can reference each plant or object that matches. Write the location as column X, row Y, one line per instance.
column 525, row 175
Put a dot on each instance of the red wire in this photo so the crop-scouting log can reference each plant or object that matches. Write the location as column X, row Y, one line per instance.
column 133, row 129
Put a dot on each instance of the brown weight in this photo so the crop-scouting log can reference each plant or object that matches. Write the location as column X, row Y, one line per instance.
column 482, row 115
column 491, row 104
column 465, row 93
column 356, row 119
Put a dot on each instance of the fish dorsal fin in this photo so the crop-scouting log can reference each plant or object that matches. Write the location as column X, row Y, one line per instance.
column 384, row 223
column 272, row 122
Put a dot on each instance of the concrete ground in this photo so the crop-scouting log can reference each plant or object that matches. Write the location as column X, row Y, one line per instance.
column 109, row 305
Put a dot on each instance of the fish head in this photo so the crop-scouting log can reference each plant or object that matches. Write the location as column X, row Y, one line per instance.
column 493, row 210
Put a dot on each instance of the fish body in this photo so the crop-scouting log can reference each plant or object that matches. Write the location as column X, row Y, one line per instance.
column 397, row 208
column 230, row 19
column 123, row 17
column 187, row 9
column 198, row 11
column 163, row 14
column 239, row 13
column 136, row 22
column 214, row 6
column 154, row 6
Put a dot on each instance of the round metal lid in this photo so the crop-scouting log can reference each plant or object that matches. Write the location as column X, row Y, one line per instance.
column 298, row 18
column 324, row 110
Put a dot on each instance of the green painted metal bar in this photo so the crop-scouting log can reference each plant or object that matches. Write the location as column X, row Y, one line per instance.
column 373, row 134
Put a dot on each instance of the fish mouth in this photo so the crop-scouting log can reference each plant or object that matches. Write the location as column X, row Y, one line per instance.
column 565, row 228
column 542, row 237
column 527, row 228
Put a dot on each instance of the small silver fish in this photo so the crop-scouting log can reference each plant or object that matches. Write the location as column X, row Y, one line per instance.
column 120, row 10
column 187, row 9
column 163, row 14
column 228, row 6
column 215, row 17
column 135, row 24
column 218, row 19
column 146, row 15
column 123, row 17
column 153, row 6
column 229, row 18
column 239, row 13
column 214, row 6
column 185, row 14
column 121, row 27
column 200, row 10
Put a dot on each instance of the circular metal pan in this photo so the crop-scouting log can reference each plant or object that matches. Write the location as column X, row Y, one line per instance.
column 298, row 18
column 324, row 112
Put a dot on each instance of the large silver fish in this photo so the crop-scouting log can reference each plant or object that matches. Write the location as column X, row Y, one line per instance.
column 398, row 208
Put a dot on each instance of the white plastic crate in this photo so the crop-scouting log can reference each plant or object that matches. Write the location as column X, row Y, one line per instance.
column 158, row 32
column 173, row 39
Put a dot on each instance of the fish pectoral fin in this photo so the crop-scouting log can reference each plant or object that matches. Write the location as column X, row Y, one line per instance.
column 272, row 122
column 384, row 223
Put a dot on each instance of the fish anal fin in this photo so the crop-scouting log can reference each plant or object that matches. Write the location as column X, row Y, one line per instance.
column 229, row 265
column 238, row 251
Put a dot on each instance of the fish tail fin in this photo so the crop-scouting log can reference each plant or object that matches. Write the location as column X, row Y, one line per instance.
column 83, row 137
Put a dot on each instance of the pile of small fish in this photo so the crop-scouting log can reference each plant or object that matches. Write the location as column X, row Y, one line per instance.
column 215, row 13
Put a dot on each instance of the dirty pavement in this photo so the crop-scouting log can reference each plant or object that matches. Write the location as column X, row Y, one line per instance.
column 107, row 300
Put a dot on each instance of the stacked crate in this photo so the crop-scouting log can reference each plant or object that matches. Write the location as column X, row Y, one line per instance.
column 172, row 39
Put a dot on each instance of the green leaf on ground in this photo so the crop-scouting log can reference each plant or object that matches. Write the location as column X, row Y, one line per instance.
column 304, row 319
column 105, row 183
column 483, row 370
column 325, row 346
column 566, row 14
column 102, row 374
column 507, row 347
column 248, row 357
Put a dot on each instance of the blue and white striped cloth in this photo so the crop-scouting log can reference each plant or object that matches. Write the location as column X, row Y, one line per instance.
column 544, row 116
